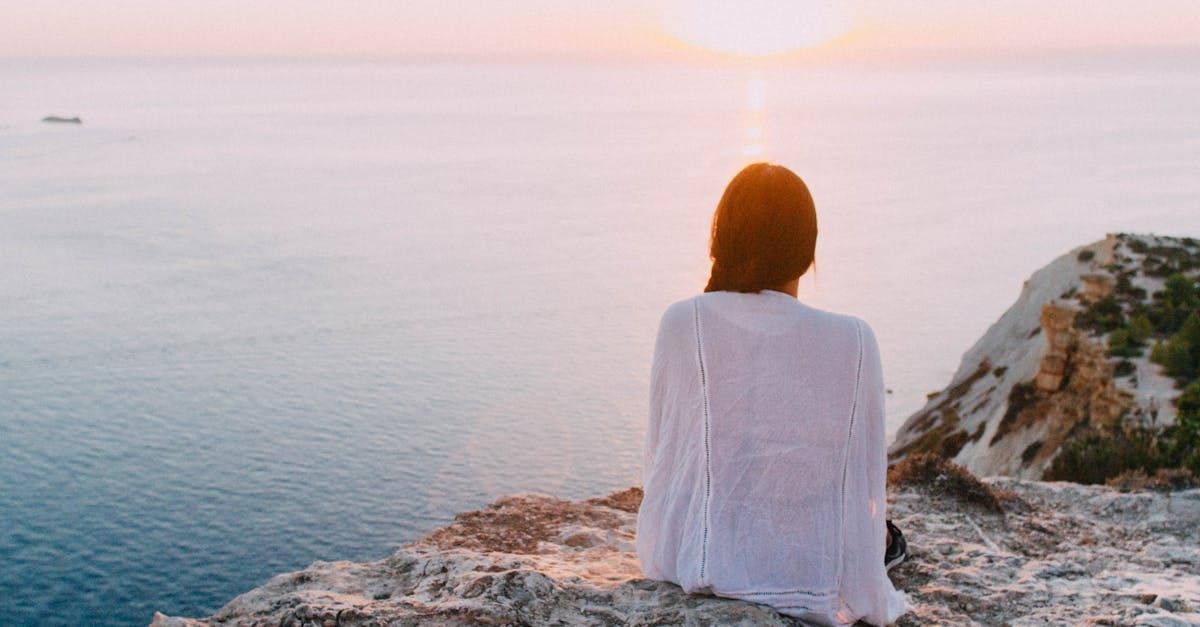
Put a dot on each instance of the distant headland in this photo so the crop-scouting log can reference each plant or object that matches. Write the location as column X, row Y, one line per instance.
column 1092, row 374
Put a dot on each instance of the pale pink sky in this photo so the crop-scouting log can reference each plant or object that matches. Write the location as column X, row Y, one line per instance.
column 385, row 28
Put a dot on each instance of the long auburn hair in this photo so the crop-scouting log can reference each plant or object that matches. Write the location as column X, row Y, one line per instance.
column 764, row 231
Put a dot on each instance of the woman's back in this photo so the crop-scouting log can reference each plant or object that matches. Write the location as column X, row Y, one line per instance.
column 764, row 458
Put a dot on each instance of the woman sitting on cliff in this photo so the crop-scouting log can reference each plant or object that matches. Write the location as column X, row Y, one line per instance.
column 764, row 459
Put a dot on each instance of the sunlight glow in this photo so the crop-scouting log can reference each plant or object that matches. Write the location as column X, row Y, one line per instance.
column 755, row 27
column 754, row 137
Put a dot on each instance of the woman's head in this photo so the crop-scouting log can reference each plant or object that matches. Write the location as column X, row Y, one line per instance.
column 764, row 231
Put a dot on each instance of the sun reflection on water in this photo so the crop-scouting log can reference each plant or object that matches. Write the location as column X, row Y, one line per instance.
column 754, row 136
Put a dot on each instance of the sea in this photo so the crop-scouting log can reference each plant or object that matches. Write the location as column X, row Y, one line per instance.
column 258, row 313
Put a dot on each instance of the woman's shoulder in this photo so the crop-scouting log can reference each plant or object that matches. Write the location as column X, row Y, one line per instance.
column 829, row 332
column 680, row 307
column 678, row 315
column 856, row 331
column 833, row 322
column 834, row 318
column 683, row 311
column 851, row 324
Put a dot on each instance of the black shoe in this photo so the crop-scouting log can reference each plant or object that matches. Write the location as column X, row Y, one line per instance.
column 897, row 551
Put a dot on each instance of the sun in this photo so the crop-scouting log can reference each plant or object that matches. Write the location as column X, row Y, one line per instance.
column 755, row 28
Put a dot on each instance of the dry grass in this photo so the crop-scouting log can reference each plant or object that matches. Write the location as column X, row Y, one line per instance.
column 517, row 524
column 1165, row 480
column 939, row 476
column 627, row 500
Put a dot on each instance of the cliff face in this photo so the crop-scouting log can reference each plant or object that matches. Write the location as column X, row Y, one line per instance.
column 1049, row 553
column 1038, row 375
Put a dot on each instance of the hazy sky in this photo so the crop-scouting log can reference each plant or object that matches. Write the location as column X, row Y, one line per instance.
column 34, row 28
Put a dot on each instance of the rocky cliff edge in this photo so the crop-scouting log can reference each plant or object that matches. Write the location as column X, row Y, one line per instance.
column 1000, row 551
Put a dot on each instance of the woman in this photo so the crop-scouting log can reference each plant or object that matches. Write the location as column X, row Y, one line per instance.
column 764, row 459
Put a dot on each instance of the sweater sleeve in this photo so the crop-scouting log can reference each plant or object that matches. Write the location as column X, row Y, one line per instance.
column 656, row 550
column 654, row 415
column 664, row 365
column 866, row 592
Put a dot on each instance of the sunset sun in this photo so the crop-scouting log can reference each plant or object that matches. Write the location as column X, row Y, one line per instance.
column 755, row 27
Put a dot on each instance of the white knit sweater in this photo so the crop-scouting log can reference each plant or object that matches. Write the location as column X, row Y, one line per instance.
column 764, row 461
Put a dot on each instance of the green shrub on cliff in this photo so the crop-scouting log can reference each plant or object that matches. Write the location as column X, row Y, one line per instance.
column 1096, row 457
column 1140, row 328
column 1172, row 306
column 1103, row 316
column 1167, row 260
column 1129, row 292
column 1122, row 343
column 1189, row 401
column 1181, row 441
column 1129, row 341
column 1180, row 354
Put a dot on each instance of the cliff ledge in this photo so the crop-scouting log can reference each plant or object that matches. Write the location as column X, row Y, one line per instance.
column 1000, row 551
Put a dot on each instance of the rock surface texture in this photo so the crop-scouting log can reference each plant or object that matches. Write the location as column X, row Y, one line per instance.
column 1043, row 553
column 1038, row 375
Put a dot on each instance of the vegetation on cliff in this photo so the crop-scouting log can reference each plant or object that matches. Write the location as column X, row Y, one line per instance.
column 1171, row 319
column 939, row 476
column 1092, row 369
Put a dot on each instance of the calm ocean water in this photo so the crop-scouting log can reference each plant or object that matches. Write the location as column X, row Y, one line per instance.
column 257, row 315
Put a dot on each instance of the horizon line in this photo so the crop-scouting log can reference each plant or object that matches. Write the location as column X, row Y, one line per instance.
column 880, row 54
